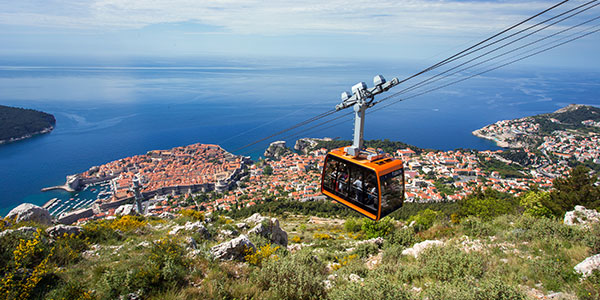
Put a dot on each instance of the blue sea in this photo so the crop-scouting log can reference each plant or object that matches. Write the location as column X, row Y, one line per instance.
column 109, row 109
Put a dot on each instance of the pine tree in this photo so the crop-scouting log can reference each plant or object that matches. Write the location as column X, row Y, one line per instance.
column 576, row 189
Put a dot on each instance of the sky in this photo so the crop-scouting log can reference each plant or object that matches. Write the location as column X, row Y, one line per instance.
column 349, row 29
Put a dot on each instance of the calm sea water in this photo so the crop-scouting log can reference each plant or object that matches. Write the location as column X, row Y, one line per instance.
column 111, row 110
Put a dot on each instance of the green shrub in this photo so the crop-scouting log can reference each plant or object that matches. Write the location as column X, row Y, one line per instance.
column 404, row 237
column 353, row 224
column 589, row 289
column 494, row 289
column 528, row 228
column 379, row 228
column 350, row 264
column 100, row 231
column 449, row 263
column 488, row 204
column 576, row 189
column 592, row 238
column 533, row 203
column 475, row 227
column 425, row 219
column 366, row 250
column 70, row 290
column 370, row 288
column 553, row 272
column 295, row 276
column 164, row 267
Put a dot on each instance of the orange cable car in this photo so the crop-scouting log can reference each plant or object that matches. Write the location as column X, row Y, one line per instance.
column 368, row 182
column 372, row 186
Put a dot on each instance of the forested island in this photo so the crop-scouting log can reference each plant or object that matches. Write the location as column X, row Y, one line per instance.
column 20, row 123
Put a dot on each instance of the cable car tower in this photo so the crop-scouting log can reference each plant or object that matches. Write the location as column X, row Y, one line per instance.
column 367, row 181
column 361, row 99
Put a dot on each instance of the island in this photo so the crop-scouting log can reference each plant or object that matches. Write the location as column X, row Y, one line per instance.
column 20, row 123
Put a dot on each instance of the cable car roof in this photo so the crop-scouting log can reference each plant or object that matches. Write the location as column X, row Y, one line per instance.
column 381, row 166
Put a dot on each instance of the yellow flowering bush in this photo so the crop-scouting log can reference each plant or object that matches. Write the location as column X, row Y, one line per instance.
column 192, row 214
column 68, row 248
column 264, row 253
column 128, row 223
column 28, row 267
column 296, row 239
column 355, row 236
column 104, row 230
column 3, row 224
column 343, row 261
column 322, row 236
column 223, row 220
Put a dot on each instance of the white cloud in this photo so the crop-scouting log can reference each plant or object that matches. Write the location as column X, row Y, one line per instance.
column 385, row 17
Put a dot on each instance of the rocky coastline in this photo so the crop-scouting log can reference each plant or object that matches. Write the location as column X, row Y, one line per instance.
column 500, row 143
column 27, row 136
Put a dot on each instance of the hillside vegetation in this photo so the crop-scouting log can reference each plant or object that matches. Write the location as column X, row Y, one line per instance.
column 19, row 122
column 489, row 246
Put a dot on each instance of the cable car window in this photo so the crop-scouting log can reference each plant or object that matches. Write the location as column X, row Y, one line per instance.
column 343, row 180
column 331, row 175
column 372, row 196
column 392, row 191
column 352, row 183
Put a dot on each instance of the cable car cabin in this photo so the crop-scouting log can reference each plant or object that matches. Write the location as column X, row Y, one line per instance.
column 374, row 188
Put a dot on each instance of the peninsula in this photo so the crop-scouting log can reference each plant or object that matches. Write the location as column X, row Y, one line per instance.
column 20, row 123
column 530, row 132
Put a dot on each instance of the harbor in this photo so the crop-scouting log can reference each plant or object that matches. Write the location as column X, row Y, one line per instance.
column 85, row 198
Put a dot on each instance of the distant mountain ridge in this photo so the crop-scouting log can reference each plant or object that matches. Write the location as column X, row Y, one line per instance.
column 20, row 123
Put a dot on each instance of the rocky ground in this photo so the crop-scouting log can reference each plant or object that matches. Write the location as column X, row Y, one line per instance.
column 195, row 256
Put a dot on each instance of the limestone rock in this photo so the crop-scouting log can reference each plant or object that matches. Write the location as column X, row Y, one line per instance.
column 166, row 215
column 378, row 241
column 241, row 226
column 255, row 218
column 560, row 296
column 60, row 230
column 277, row 150
column 193, row 227
column 233, row 250
column 354, row 278
column 588, row 265
column 30, row 212
column 191, row 243
column 373, row 261
column 271, row 231
column 131, row 296
column 228, row 233
column 327, row 284
column 581, row 216
column 125, row 210
column 417, row 248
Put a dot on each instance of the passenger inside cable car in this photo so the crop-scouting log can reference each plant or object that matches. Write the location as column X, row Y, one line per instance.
column 354, row 183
